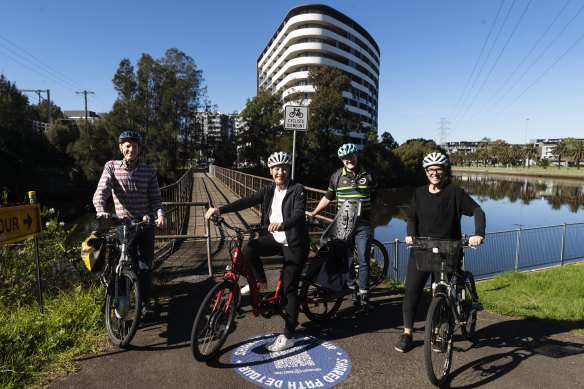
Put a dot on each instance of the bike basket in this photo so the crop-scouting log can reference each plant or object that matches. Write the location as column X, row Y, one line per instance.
column 437, row 255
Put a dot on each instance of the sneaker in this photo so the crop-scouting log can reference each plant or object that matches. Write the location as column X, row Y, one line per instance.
column 366, row 303
column 404, row 344
column 245, row 290
column 282, row 343
column 355, row 297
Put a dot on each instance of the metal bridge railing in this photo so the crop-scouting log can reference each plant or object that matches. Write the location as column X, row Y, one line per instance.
column 243, row 184
column 177, row 216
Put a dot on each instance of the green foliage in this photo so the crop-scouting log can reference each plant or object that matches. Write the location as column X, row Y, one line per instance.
column 542, row 295
column 59, row 259
column 31, row 342
column 411, row 154
column 263, row 133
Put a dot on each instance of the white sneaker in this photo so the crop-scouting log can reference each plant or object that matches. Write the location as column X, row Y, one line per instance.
column 245, row 290
column 282, row 343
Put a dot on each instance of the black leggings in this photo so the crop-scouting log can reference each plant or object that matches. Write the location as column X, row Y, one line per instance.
column 294, row 260
column 415, row 281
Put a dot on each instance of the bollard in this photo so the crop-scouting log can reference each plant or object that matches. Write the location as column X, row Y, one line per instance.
column 33, row 200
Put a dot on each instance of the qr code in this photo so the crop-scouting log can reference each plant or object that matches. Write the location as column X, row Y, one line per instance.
column 294, row 359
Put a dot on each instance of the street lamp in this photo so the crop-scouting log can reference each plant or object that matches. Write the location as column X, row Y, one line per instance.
column 526, row 123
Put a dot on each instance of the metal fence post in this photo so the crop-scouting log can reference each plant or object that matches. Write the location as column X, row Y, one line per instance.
column 395, row 258
column 517, row 244
column 563, row 245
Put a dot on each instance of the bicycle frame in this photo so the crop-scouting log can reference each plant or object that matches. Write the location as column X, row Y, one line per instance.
column 240, row 266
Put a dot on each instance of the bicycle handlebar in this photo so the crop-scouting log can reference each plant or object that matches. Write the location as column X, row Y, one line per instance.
column 219, row 221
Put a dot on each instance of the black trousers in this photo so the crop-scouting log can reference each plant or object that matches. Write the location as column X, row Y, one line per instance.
column 294, row 260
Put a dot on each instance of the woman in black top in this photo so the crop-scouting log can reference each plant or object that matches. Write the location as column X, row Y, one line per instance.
column 283, row 207
column 435, row 212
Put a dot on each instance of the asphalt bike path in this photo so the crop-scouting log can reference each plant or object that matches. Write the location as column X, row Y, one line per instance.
column 508, row 353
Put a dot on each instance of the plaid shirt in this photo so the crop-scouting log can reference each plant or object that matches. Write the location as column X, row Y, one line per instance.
column 135, row 192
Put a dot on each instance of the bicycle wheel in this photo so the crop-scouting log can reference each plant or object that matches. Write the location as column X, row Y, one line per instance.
column 438, row 342
column 469, row 304
column 379, row 264
column 315, row 304
column 122, row 313
column 214, row 319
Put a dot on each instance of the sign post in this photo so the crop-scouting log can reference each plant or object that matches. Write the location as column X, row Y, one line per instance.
column 296, row 119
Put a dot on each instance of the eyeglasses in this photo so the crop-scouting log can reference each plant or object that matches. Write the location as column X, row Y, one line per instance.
column 434, row 171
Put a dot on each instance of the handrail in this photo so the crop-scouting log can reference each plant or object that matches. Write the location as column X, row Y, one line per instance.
column 243, row 184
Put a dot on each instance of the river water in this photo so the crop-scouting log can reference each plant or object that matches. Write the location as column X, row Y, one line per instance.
column 508, row 202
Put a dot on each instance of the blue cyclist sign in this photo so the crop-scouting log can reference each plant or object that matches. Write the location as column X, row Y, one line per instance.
column 311, row 363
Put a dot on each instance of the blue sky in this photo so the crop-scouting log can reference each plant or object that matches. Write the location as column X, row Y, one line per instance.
column 501, row 69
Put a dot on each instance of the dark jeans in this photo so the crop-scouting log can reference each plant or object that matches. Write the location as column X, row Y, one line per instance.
column 142, row 249
column 294, row 260
column 362, row 241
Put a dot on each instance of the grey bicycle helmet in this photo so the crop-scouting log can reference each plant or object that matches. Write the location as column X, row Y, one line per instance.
column 435, row 159
column 346, row 149
column 279, row 158
column 130, row 136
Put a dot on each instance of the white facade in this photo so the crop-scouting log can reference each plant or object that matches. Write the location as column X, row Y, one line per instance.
column 313, row 35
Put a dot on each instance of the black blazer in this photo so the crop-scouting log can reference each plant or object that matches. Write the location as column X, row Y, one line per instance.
column 293, row 211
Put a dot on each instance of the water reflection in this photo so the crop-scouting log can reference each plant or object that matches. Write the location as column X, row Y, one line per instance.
column 509, row 202
column 555, row 192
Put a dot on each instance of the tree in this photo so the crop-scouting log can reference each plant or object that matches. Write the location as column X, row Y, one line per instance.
column 575, row 150
column 560, row 149
column 411, row 153
column 387, row 141
column 530, row 153
column 327, row 107
column 262, row 117
column 160, row 98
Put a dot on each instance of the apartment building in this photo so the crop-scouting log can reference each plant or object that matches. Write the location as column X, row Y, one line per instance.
column 312, row 35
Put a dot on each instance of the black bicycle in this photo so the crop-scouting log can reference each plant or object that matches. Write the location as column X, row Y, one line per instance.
column 455, row 302
column 378, row 262
column 120, row 278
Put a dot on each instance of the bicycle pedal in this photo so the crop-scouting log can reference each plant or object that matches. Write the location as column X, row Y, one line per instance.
column 477, row 306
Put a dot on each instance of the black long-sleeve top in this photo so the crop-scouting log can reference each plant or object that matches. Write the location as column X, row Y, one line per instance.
column 438, row 215
column 293, row 211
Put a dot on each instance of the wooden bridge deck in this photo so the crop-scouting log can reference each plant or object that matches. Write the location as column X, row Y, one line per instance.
column 189, row 261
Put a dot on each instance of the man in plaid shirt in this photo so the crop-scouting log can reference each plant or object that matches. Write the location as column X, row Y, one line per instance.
column 135, row 191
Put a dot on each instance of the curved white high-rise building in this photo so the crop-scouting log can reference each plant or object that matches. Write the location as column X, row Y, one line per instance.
column 315, row 34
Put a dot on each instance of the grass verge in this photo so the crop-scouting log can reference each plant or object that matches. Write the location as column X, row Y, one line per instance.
column 554, row 295
column 35, row 346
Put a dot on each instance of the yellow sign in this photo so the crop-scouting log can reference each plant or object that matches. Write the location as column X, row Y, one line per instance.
column 18, row 223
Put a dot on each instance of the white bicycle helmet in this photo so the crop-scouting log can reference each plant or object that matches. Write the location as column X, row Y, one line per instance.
column 279, row 158
column 346, row 149
column 435, row 159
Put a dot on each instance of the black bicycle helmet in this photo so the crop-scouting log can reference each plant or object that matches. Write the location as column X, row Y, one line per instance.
column 130, row 136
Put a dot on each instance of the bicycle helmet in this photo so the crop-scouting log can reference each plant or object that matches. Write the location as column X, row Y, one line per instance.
column 279, row 158
column 435, row 159
column 346, row 149
column 130, row 136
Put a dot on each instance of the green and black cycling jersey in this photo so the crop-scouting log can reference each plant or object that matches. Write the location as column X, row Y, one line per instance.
column 345, row 185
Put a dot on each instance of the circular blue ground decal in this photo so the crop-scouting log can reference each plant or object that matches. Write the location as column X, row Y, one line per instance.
column 311, row 363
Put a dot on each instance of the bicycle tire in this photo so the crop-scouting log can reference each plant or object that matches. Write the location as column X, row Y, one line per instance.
column 314, row 303
column 122, row 315
column 214, row 319
column 469, row 304
column 379, row 264
column 438, row 341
